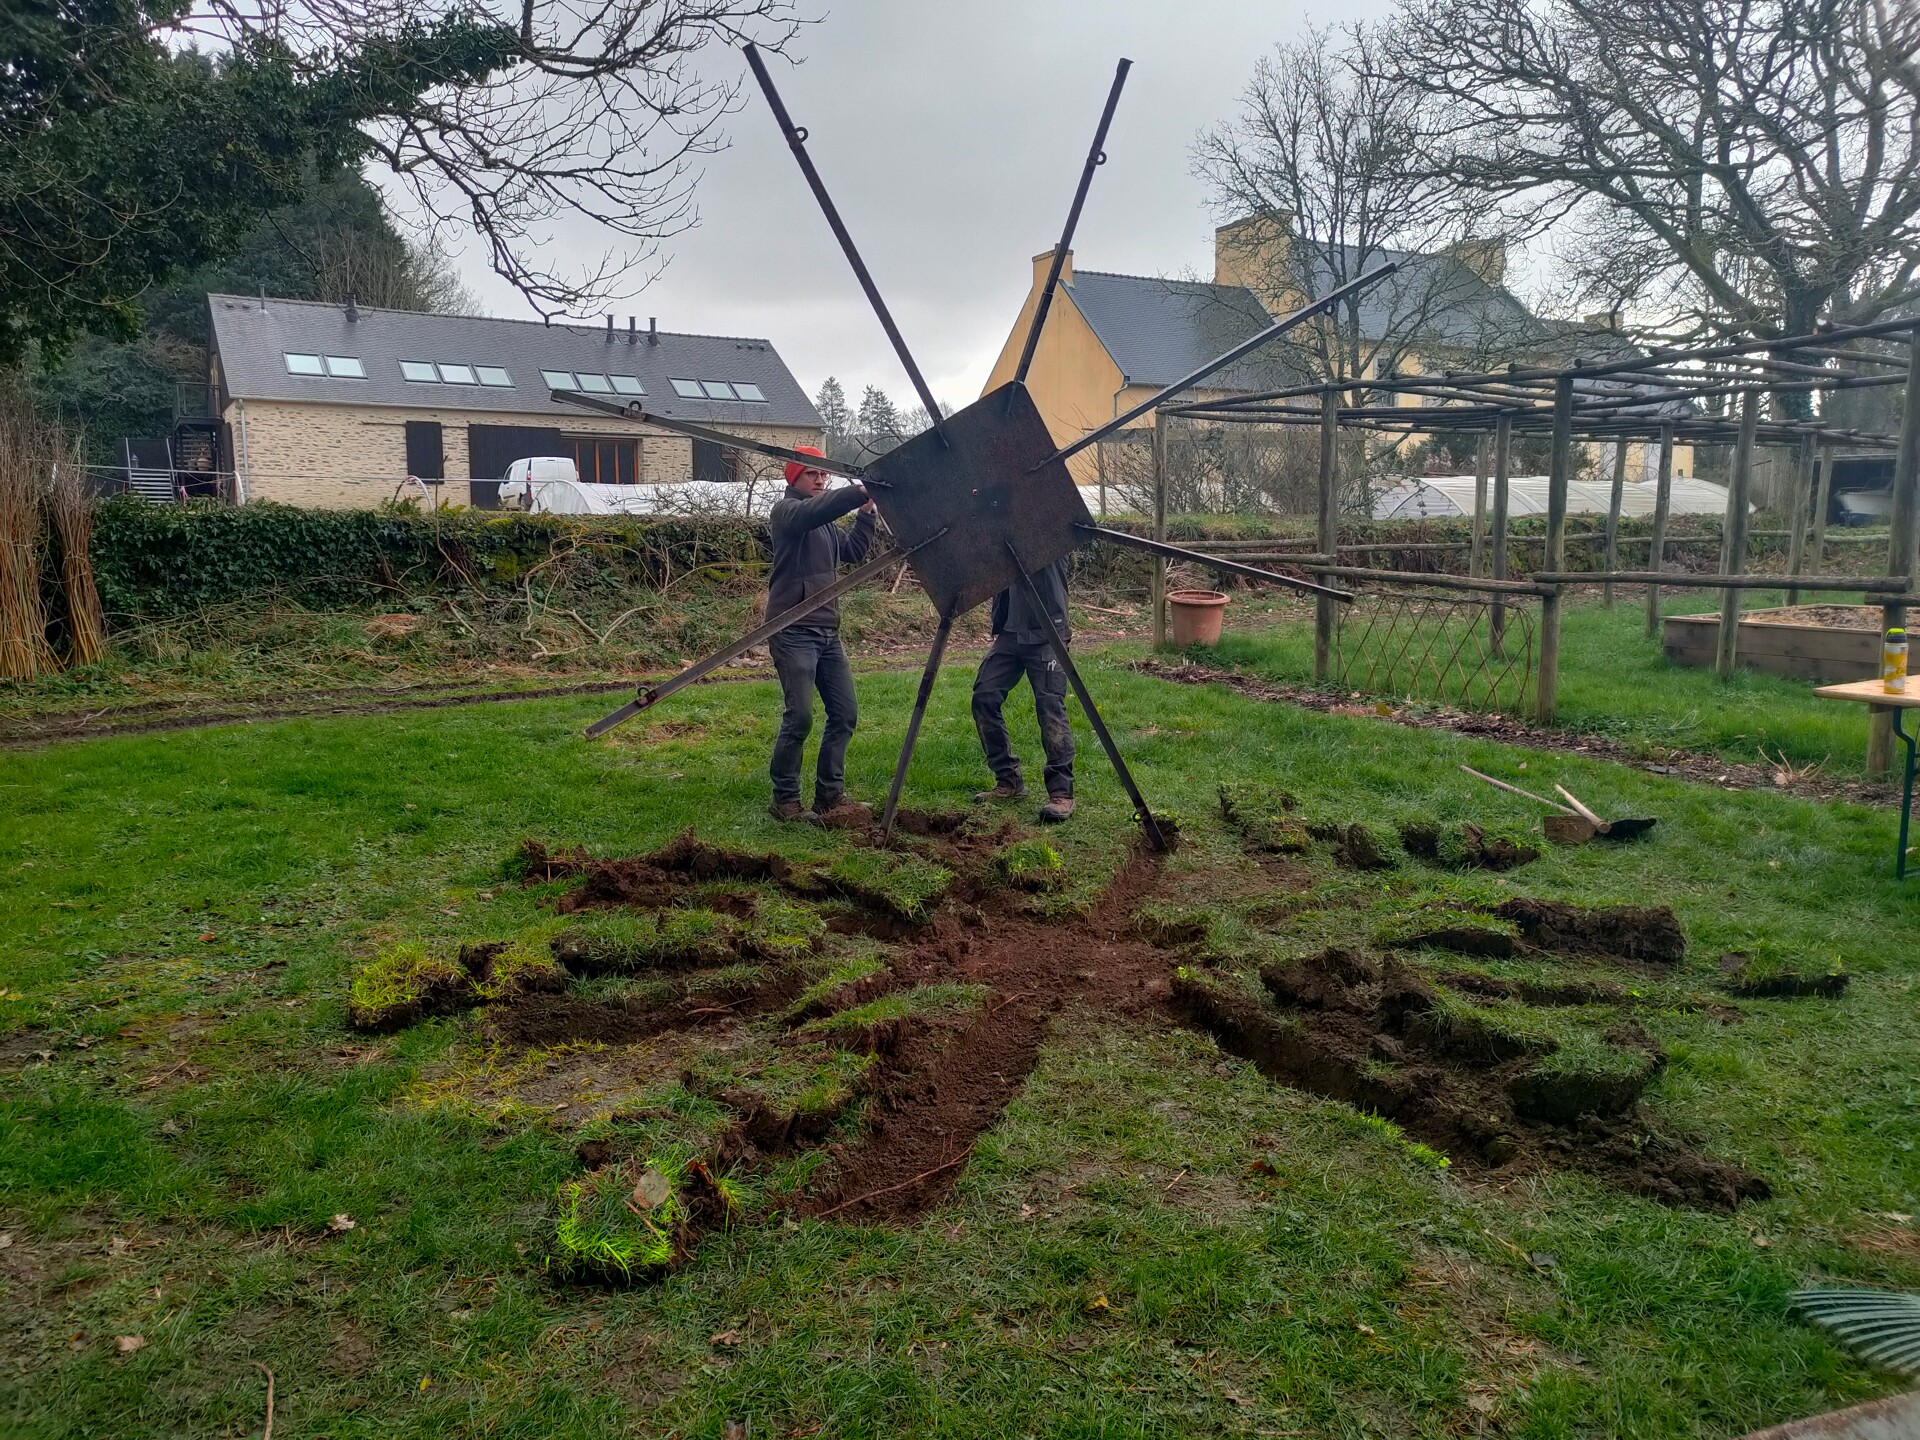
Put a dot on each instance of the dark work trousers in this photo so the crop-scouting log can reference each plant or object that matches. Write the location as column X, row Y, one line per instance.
column 999, row 672
column 809, row 660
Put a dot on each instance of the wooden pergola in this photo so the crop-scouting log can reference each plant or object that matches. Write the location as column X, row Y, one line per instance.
column 1703, row 395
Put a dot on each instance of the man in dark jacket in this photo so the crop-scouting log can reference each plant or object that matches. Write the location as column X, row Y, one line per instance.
column 1020, row 648
column 808, row 549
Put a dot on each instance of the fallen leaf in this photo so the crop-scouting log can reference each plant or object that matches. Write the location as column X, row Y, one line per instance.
column 1026, row 1212
column 127, row 1344
column 725, row 1337
column 341, row 1223
column 1896, row 1217
column 651, row 1189
column 1363, row 1327
column 1543, row 1260
column 5, row 1241
column 1097, row 1303
column 425, row 1381
column 1262, row 1167
column 1485, row 1404
column 1761, row 1242
column 735, row 1430
column 119, row 1245
column 207, row 936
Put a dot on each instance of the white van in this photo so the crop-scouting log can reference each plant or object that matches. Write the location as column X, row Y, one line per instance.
column 525, row 478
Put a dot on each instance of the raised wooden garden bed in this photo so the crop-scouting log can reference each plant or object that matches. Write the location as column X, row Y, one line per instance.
column 1807, row 642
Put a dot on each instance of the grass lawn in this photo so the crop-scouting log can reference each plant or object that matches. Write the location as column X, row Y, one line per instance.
column 1616, row 682
column 1154, row 1240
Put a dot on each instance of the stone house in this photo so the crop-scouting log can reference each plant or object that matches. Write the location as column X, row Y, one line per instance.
column 338, row 405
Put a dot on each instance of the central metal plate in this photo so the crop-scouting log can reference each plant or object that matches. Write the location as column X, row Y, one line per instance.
column 981, row 483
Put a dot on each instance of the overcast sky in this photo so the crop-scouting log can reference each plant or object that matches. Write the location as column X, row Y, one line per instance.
column 951, row 135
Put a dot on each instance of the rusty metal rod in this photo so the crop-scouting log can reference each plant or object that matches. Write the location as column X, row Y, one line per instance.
column 797, row 142
column 1214, row 562
column 637, row 413
column 1096, row 157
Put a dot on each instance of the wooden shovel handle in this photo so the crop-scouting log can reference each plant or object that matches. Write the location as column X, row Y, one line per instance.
column 1516, row 790
column 1585, row 814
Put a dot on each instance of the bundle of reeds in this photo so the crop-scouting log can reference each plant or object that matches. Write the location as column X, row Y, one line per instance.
column 24, row 652
column 70, row 504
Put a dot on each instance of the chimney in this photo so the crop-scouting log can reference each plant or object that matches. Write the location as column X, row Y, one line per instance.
column 653, row 329
column 1252, row 252
column 609, row 327
column 633, row 330
column 1486, row 258
column 353, row 307
column 1043, row 262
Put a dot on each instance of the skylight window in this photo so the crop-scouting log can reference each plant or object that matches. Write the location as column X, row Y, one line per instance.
column 304, row 364
column 594, row 384
column 346, row 367
column 558, row 379
column 627, row 385
column 747, row 391
column 493, row 375
column 457, row 375
column 718, row 390
column 689, row 390
column 419, row 371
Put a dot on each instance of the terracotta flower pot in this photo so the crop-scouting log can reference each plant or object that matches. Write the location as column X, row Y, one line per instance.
column 1196, row 616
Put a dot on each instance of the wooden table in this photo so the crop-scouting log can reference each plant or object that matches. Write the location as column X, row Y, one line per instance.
column 1875, row 695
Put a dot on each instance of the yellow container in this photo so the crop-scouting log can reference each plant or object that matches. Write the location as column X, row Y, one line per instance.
column 1893, row 660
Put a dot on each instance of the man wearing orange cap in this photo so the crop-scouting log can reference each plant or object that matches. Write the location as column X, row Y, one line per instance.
column 808, row 550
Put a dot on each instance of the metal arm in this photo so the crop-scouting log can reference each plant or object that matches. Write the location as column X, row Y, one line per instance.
column 635, row 412
column 1212, row 562
column 650, row 695
column 797, row 142
column 1096, row 157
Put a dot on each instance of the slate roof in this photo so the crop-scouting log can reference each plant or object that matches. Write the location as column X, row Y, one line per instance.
column 1448, row 297
column 1158, row 330
column 253, row 339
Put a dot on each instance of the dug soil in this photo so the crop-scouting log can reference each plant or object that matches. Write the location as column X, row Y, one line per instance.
column 1345, row 1025
column 1374, row 1034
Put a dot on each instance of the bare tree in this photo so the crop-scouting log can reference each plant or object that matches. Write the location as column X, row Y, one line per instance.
column 1730, row 165
column 1316, row 166
column 142, row 138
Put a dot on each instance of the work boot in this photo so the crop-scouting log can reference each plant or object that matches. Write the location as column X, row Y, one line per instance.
column 1057, row 808
column 793, row 810
column 1001, row 793
column 845, row 814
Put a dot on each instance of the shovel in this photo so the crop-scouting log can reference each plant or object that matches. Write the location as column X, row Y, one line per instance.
column 1565, row 827
column 1606, row 829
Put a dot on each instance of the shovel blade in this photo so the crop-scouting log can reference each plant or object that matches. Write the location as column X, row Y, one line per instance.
column 1628, row 829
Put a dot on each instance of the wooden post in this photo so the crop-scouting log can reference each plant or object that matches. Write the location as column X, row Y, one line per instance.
column 1662, row 502
column 1733, row 535
column 1547, row 686
column 1822, row 498
column 1903, row 542
column 1476, row 549
column 1160, row 528
column 1800, row 518
column 1328, row 535
column 1614, row 500
column 1502, row 466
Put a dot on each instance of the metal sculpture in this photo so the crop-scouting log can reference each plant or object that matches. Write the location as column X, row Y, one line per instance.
column 983, row 498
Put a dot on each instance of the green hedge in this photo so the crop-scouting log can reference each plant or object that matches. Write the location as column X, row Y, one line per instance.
column 153, row 561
